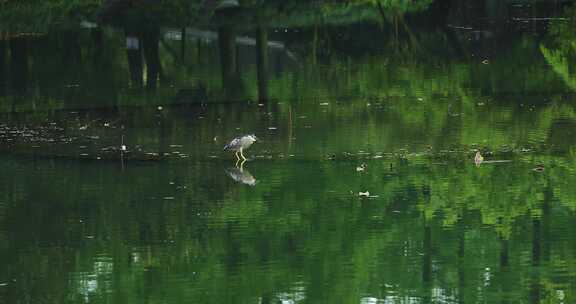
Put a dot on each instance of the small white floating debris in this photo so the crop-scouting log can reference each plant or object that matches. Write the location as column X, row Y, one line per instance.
column 420, row 98
column 364, row 194
column 168, row 197
column 485, row 61
column 361, row 168
column 84, row 154
column 160, row 108
column 123, row 147
column 3, row 284
column 324, row 103
column 82, row 147
column 272, row 128
column 175, row 146
column 89, row 236
column 106, row 124
column 302, row 116
column 260, row 104
column 377, row 156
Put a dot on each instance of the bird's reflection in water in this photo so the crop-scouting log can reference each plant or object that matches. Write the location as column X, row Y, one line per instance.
column 241, row 175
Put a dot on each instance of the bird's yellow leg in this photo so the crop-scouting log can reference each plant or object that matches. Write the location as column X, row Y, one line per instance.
column 237, row 157
column 242, row 165
column 242, row 154
column 237, row 161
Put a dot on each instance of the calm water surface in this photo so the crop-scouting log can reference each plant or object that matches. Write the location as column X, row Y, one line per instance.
column 362, row 188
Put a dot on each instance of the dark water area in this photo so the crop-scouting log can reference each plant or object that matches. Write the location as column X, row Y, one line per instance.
column 408, row 152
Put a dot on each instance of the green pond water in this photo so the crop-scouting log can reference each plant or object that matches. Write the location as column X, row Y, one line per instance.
column 362, row 188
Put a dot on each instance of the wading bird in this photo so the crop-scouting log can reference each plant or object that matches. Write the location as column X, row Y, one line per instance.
column 241, row 143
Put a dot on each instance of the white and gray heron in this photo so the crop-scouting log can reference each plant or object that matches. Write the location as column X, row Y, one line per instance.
column 240, row 144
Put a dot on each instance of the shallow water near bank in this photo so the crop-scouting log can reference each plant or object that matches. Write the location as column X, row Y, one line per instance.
column 362, row 188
